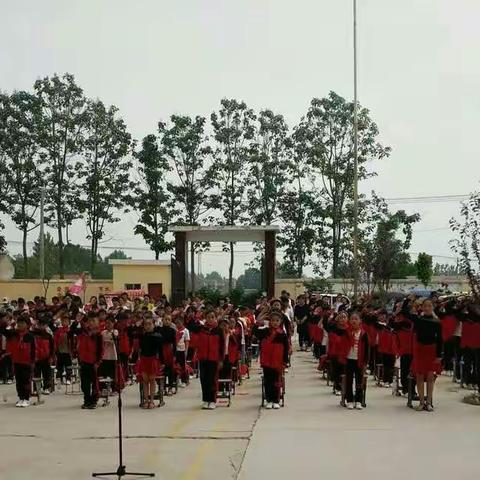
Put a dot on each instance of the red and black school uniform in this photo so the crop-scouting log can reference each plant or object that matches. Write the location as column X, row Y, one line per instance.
column 169, row 339
column 89, row 348
column 274, row 348
column 231, row 356
column 355, row 363
column 316, row 335
column 369, row 321
column 21, row 347
column 150, row 358
column 6, row 366
column 302, row 313
column 470, row 347
column 210, row 351
column 63, row 352
column 386, row 351
column 451, row 334
column 428, row 343
column 124, row 346
column 182, row 336
column 44, row 356
column 338, row 346
column 403, row 328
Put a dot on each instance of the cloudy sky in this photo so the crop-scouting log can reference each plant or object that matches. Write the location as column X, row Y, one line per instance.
column 418, row 74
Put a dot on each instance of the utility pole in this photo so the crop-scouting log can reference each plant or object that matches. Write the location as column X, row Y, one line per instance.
column 42, row 234
column 355, row 156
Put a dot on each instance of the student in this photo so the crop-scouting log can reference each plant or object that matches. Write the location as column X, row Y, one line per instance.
column 427, row 350
column 273, row 356
column 6, row 366
column 21, row 345
column 63, row 350
column 356, row 362
column 89, row 345
column 386, row 348
column 231, row 350
column 44, row 354
column 124, row 341
column 403, row 328
column 301, row 312
column 210, row 349
column 183, row 340
column 168, row 333
column 108, row 366
column 150, row 356
column 338, row 346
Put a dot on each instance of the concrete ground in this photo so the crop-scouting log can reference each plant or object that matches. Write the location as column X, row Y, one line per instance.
column 311, row 436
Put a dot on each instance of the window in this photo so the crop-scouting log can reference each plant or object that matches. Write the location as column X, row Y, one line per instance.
column 133, row 286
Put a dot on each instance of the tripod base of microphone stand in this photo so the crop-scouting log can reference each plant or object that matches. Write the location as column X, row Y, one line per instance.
column 121, row 472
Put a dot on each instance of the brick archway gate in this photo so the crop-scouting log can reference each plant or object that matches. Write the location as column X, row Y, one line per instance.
column 216, row 233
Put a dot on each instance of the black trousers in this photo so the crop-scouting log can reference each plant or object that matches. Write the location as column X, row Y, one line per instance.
column 225, row 373
column 372, row 361
column 170, row 376
column 123, row 359
column 337, row 370
column 23, row 380
column 457, row 355
column 6, row 368
column 468, row 355
column 208, row 380
column 64, row 364
column 388, row 361
column 353, row 371
column 318, row 350
column 405, row 364
column 181, row 358
column 271, row 384
column 88, row 383
column 303, row 338
column 44, row 370
column 449, row 354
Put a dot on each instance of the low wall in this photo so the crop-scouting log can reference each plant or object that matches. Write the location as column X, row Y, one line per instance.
column 29, row 288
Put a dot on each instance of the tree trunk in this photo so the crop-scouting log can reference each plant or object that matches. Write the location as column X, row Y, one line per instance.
column 230, row 269
column 92, row 256
column 24, row 247
column 334, row 252
column 192, row 266
column 60, row 249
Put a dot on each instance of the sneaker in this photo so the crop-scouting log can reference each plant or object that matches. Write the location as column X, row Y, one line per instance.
column 9, row 382
column 286, row 370
column 19, row 403
column 358, row 406
column 25, row 403
column 45, row 392
column 350, row 406
column 276, row 406
column 338, row 393
column 84, row 406
column 269, row 406
column 212, row 406
column 420, row 407
column 68, row 382
column 205, row 405
column 182, row 385
column 429, row 408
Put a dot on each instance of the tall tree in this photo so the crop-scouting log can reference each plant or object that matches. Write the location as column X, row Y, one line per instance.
column 19, row 116
column 233, row 127
column 184, row 145
column 104, row 173
column 301, row 210
column 268, row 163
column 152, row 199
column 424, row 266
column 467, row 243
column 330, row 141
column 60, row 133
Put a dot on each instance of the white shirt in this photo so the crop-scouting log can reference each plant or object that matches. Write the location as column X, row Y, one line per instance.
column 353, row 353
column 109, row 349
column 184, row 338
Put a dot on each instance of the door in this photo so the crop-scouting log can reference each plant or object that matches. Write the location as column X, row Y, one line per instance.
column 155, row 291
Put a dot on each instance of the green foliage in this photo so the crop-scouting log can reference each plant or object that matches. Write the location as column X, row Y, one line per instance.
column 318, row 284
column 104, row 173
column 211, row 295
column 236, row 295
column 446, row 269
column 152, row 200
column 424, row 268
column 250, row 279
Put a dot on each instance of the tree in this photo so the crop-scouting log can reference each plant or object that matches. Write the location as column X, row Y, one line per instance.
column 233, row 127
column 61, row 125
column 424, row 268
column 19, row 114
column 103, row 268
column 105, row 171
column 329, row 143
column 152, row 199
column 33, row 267
column 268, row 163
column 184, row 145
column 251, row 279
column 467, row 243
column 445, row 269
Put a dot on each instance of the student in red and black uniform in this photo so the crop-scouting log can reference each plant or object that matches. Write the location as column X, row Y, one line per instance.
column 44, row 354
column 338, row 345
column 89, row 347
column 63, row 349
column 21, row 346
column 386, row 347
column 274, row 346
column 124, row 341
column 169, row 342
column 403, row 328
column 210, row 349
column 231, row 350
column 369, row 320
column 150, row 359
column 356, row 362
column 470, row 344
column 427, row 349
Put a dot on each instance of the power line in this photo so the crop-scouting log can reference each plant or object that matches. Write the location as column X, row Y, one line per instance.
column 431, row 199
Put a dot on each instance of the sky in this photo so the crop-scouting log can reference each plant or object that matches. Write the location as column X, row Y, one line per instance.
column 417, row 63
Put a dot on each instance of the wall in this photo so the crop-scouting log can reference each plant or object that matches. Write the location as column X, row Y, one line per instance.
column 29, row 288
column 143, row 274
column 294, row 286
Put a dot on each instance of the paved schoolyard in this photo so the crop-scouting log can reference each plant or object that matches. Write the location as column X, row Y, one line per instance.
column 312, row 436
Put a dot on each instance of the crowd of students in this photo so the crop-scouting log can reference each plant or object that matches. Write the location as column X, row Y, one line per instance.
column 423, row 337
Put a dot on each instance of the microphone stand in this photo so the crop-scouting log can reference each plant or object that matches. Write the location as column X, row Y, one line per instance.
column 121, row 469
